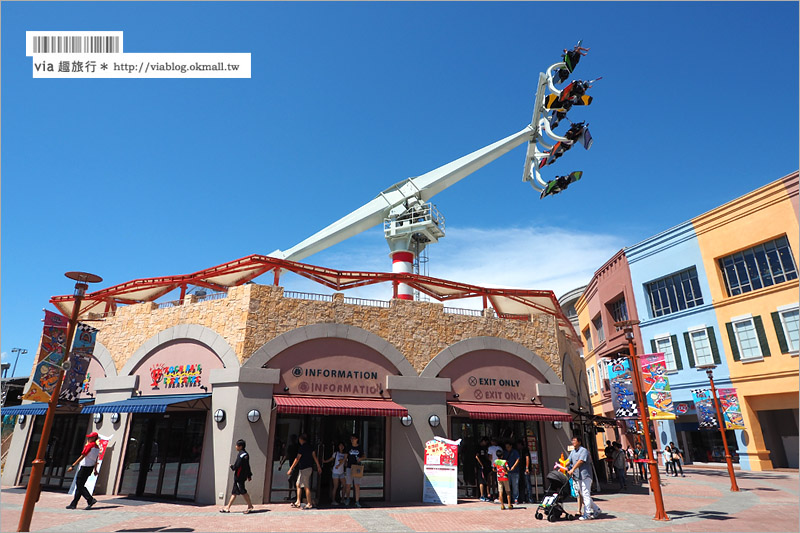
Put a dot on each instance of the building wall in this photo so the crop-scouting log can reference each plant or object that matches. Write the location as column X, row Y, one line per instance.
column 668, row 252
column 770, row 383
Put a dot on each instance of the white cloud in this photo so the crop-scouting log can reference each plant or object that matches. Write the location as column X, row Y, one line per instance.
column 3, row 356
column 545, row 258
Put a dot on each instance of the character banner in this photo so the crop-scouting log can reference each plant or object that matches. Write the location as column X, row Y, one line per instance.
column 706, row 413
column 619, row 369
column 51, row 355
column 731, row 412
column 656, row 387
column 440, row 471
column 623, row 400
column 80, row 357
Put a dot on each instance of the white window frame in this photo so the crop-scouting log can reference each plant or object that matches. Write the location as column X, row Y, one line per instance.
column 592, row 383
column 741, row 319
column 704, row 329
column 793, row 350
column 600, row 375
column 667, row 336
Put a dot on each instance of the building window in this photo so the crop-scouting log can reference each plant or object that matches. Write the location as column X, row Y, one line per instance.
column 790, row 329
column 767, row 264
column 785, row 320
column 747, row 339
column 701, row 347
column 592, row 384
column 664, row 345
column 587, row 335
column 674, row 293
column 598, row 325
column 619, row 311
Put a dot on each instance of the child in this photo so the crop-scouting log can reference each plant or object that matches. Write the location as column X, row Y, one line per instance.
column 339, row 457
column 501, row 467
column 241, row 472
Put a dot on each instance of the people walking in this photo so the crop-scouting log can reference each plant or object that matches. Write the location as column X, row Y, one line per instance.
column 511, row 455
column 354, row 456
column 620, row 464
column 87, row 464
column 241, row 473
column 339, row 459
column 501, row 467
column 483, row 470
column 581, row 471
column 668, row 466
column 525, row 472
column 641, row 456
column 677, row 457
column 304, row 464
column 493, row 488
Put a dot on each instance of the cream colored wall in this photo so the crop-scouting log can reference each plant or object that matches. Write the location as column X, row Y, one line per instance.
column 760, row 216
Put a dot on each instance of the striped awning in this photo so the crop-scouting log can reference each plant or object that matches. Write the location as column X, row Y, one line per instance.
column 318, row 405
column 505, row 411
column 153, row 404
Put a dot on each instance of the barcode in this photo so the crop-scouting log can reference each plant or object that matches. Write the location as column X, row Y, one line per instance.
column 69, row 44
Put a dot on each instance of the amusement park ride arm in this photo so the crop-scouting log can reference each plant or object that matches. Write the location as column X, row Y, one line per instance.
column 395, row 200
column 422, row 187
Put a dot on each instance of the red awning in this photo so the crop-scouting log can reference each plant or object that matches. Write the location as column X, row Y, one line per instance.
column 318, row 405
column 505, row 411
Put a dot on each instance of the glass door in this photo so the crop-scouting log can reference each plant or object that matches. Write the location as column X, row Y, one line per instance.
column 67, row 437
column 471, row 431
column 163, row 453
column 325, row 432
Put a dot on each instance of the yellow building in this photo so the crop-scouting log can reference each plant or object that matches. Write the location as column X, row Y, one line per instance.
column 749, row 249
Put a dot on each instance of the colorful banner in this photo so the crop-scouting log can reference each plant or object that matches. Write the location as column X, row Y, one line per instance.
column 656, row 387
column 102, row 442
column 51, row 355
column 79, row 359
column 440, row 471
column 619, row 369
column 175, row 376
column 731, row 411
column 706, row 413
column 623, row 400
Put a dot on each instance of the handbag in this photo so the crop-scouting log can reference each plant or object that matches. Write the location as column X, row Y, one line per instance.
column 357, row 470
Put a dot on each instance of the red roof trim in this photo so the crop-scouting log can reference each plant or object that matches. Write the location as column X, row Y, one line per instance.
column 318, row 405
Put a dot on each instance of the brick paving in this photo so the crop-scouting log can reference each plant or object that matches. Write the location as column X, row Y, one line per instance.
column 699, row 502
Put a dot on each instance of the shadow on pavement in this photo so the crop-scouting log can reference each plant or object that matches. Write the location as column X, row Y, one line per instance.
column 161, row 529
column 706, row 515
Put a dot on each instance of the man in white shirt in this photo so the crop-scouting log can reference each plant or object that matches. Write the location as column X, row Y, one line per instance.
column 88, row 464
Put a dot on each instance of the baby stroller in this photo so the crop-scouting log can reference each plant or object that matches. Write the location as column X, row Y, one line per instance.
column 557, row 491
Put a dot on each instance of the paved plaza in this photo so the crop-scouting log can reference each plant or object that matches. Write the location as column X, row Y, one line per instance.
column 702, row 501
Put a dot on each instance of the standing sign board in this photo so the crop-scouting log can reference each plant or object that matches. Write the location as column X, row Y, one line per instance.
column 441, row 471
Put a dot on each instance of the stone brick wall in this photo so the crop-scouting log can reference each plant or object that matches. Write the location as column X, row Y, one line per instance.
column 252, row 315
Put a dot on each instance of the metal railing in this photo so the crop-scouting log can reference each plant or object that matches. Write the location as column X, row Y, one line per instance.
column 364, row 301
column 464, row 312
column 509, row 316
column 308, row 296
column 173, row 303
column 212, row 296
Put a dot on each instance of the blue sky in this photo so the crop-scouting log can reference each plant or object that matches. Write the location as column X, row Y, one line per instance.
column 135, row 178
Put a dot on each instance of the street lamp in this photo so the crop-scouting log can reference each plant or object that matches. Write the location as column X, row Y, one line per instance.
column 655, row 480
column 37, row 468
column 720, row 423
column 19, row 351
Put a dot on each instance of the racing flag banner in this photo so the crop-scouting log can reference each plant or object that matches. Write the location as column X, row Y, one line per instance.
column 706, row 413
column 51, row 355
column 731, row 411
column 623, row 399
column 81, row 355
column 656, row 387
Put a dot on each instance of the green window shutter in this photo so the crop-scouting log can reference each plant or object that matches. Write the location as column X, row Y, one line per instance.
column 653, row 348
column 762, row 336
column 689, row 352
column 732, row 338
column 714, row 348
column 676, row 350
column 776, row 320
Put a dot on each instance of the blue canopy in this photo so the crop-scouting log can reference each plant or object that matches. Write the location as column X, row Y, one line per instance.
column 151, row 404
column 35, row 408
